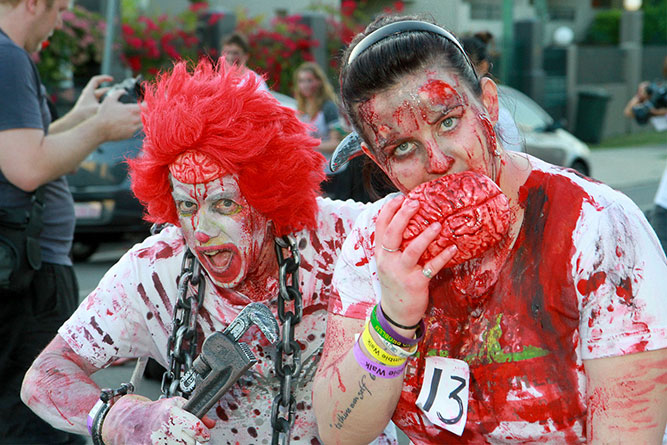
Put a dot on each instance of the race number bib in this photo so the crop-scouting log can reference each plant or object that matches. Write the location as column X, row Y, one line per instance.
column 444, row 393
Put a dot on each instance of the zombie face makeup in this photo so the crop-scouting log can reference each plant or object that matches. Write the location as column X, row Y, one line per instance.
column 430, row 124
column 219, row 226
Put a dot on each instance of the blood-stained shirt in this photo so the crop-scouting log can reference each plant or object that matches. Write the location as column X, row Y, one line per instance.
column 584, row 280
column 130, row 314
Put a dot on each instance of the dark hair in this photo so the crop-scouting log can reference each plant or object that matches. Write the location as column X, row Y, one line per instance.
column 237, row 39
column 382, row 64
column 476, row 49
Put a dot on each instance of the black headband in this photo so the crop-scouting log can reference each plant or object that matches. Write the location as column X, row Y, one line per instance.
column 406, row 26
column 350, row 146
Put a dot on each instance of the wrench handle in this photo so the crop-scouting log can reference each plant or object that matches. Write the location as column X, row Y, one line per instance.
column 211, row 387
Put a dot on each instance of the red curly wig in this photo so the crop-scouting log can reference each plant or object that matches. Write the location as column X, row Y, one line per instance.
column 220, row 112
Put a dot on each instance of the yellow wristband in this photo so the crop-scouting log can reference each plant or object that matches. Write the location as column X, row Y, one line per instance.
column 377, row 352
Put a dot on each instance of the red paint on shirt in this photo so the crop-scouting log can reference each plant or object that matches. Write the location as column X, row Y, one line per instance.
column 590, row 285
column 537, row 307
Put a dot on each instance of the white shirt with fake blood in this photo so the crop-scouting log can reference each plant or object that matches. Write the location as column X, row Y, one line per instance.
column 130, row 314
column 599, row 284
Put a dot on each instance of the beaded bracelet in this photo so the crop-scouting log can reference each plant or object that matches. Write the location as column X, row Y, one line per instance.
column 377, row 352
column 384, row 329
column 386, row 372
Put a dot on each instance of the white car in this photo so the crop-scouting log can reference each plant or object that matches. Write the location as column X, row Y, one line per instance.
column 543, row 137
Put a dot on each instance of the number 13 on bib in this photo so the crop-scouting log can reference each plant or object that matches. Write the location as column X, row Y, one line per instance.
column 444, row 393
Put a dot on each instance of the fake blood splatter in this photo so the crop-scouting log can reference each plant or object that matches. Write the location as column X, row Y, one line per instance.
column 519, row 347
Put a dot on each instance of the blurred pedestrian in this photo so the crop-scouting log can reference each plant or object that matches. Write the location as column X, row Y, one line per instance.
column 316, row 105
column 235, row 49
column 477, row 48
column 234, row 174
column 649, row 104
column 35, row 153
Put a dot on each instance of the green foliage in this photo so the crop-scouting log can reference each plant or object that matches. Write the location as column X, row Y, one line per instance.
column 605, row 28
column 655, row 22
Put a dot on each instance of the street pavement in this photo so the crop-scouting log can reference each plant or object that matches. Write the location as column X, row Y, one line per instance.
column 635, row 171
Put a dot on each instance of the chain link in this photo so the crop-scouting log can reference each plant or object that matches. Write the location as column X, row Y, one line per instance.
column 182, row 343
column 288, row 352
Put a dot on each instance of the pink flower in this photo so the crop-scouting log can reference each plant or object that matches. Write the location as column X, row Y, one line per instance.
column 215, row 18
column 198, row 6
column 127, row 29
column 347, row 7
column 135, row 63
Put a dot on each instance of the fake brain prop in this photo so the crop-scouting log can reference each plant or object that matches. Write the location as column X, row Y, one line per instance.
column 473, row 211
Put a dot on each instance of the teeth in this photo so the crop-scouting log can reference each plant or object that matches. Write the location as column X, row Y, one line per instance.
column 211, row 252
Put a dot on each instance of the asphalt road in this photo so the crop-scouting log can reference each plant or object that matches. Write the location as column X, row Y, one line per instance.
column 634, row 171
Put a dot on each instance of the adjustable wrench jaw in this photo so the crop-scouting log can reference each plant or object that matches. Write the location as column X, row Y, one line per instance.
column 223, row 360
column 221, row 363
column 257, row 314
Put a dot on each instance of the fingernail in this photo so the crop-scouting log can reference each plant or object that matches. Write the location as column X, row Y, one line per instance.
column 436, row 226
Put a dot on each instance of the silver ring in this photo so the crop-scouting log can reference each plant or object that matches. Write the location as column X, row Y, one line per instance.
column 428, row 273
column 388, row 250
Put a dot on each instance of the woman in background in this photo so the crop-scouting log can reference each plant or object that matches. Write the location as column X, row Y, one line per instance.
column 316, row 105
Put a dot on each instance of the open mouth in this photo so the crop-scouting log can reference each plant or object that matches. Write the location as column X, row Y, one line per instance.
column 219, row 260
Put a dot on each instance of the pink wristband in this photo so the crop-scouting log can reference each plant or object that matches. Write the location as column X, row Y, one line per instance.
column 386, row 372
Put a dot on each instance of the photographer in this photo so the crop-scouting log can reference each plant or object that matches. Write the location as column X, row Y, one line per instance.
column 649, row 104
column 36, row 208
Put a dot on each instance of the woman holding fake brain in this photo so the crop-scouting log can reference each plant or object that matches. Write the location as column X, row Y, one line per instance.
column 497, row 298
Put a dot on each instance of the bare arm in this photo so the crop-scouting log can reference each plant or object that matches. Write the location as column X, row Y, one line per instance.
column 86, row 105
column 58, row 387
column 29, row 159
column 351, row 405
column 627, row 398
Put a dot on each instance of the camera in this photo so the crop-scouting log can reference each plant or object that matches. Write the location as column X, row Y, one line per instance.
column 657, row 98
column 133, row 87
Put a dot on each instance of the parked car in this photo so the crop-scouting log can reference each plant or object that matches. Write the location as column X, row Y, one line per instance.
column 104, row 206
column 544, row 137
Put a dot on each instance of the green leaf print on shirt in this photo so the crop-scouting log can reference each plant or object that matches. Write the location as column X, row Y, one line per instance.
column 491, row 351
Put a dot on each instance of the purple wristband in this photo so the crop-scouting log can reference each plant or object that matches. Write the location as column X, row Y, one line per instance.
column 386, row 372
column 395, row 335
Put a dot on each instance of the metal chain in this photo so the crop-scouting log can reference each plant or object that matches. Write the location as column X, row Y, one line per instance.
column 288, row 352
column 182, row 343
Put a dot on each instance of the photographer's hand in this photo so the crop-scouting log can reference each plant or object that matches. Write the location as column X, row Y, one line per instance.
column 117, row 120
column 86, row 105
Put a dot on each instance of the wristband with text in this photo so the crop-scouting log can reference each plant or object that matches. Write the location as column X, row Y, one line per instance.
column 377, row 352
column 393, row 335
column 386, row 372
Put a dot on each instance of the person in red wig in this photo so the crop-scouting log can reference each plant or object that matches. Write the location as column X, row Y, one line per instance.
column 235, row 177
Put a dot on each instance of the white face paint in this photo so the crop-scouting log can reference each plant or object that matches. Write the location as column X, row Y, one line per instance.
column 220, row 227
